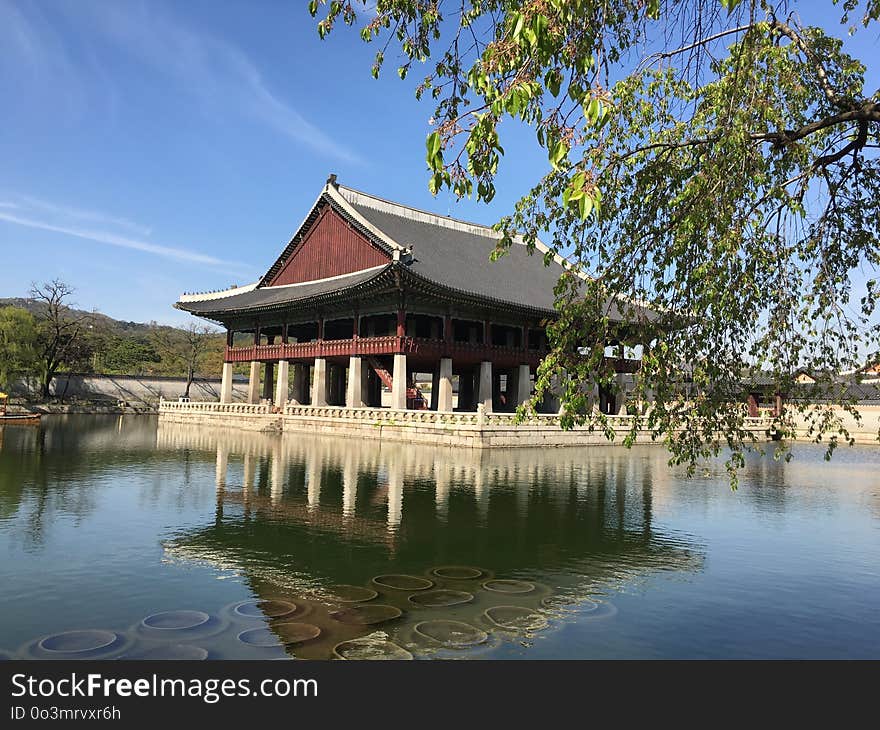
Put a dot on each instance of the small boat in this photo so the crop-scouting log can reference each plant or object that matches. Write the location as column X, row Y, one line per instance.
column 20, row 418
column 16, row 418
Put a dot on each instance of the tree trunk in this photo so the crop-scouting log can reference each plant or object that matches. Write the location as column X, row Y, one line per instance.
column 189, row 379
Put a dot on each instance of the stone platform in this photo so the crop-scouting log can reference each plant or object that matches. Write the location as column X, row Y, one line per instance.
column 478, row 430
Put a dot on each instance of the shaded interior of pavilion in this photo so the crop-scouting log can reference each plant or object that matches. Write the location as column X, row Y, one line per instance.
column 487, row 363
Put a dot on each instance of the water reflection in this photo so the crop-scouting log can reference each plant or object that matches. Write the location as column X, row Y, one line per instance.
column 503, row 543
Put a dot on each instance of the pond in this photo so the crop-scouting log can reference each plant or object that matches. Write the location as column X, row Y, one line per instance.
column 121, row 537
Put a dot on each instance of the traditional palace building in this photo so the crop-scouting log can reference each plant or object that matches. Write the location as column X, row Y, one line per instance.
column 370, row 292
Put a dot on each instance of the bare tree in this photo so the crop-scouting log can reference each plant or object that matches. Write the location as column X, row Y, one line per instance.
column 60, row 329
column 185, row 347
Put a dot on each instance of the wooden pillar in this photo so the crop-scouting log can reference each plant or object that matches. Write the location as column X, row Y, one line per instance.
column 257, row 333
column 401, row 323
column 284, row 333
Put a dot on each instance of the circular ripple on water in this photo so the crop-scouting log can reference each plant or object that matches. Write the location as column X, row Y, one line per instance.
column 294, row 632
column 261, row 637
column 403, row 582
column 79, row 643
column 509, row 586
column 515, row 618
column 176, row 620
column 352, row 594
column 175, row 652
column 361, row 649
column 458, row 572
column 268, row 609
column 441, row 597
column 367, row 614
column 452, row 634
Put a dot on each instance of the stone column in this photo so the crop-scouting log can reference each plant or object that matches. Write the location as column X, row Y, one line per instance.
column 444, row 385
column 523, row 385
column 319, row 386
column 254, row 382
column 398, row 383
column 300, row 384
column 366, row 397
column 226, row 383
column 354, row 396
column 485, row 390
column 281, row 385
column 466, row 392
column 621, row 393
column 269, row 381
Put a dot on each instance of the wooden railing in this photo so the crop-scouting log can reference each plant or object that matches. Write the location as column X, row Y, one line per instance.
column 460, row 352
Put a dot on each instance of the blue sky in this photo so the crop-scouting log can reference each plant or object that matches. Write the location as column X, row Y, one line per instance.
column 152, row 148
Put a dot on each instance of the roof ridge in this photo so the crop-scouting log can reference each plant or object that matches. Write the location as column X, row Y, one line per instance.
column 426, row 216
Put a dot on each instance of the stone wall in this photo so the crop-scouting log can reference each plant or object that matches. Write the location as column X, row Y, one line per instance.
column 864, row 431
column 139, row 389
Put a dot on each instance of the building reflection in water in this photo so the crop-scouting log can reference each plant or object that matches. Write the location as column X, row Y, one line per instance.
column 312, row 521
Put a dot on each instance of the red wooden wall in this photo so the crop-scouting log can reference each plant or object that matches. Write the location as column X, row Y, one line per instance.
column 330, row 248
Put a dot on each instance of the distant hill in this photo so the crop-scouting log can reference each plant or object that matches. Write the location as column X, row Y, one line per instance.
column 100, row 321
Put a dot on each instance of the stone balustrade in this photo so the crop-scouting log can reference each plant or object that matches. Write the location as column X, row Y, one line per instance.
column 213, row 407
column 456, row 428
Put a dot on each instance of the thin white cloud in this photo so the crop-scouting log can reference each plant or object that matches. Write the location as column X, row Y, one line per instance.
column 81, row 214
column 8, row 204
column 35, row 61
column 112, row 239
column 220, row 74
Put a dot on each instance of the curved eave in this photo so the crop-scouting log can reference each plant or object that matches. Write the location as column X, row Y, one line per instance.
column 382, row 279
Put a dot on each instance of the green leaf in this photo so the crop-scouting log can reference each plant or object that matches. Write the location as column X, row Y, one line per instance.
column 432, row 144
